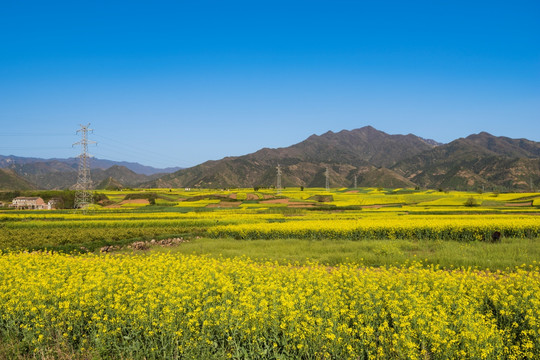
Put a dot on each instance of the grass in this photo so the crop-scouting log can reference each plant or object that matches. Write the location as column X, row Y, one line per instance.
column 448, row 254
column 14, row 349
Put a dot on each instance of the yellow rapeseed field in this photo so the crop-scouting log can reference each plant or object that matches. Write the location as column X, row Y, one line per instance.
column 171, row 306
column 446, row 227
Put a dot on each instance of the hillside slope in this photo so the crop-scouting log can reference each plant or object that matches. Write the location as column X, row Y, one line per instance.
column 9, row 180
column 480, row 161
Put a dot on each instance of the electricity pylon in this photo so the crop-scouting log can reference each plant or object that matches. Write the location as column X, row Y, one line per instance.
column 278, row 187
column 327, row 174
column 83, row 195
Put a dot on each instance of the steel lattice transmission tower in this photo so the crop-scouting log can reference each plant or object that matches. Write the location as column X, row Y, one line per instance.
column 278, row 185
column 355, row 182
column 327, row 174
column 83, row 195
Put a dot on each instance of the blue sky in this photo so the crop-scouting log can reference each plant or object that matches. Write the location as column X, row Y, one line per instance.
column 176, row 83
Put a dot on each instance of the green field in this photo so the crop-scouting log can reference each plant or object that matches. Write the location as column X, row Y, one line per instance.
column 374, row 253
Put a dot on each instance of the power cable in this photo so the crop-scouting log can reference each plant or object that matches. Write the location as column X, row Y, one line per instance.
column 117, row 146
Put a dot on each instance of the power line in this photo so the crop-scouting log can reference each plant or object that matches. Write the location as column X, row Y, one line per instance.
column 112, row 145
column 33, row 148
column 131, row 148
column 115, row 155
column 115, row 145
column 120, row 150
column 10, row 134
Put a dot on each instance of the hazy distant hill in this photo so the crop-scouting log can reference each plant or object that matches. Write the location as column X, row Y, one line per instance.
column 59, row 175
column 9, row 161
column 480, row 161
column 62, row 173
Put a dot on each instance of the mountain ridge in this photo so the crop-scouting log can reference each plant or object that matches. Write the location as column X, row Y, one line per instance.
column 304, row 163
column 375, row 158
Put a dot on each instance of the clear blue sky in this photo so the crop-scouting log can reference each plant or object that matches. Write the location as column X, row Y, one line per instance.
column 176, row 83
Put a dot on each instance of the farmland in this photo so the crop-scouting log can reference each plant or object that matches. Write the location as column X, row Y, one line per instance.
column 304, row 273
column 246, row 214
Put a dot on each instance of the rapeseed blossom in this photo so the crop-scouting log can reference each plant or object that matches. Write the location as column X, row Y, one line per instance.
column 176, row 306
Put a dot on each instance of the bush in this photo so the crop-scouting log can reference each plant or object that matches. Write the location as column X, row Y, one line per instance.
column 471, row 202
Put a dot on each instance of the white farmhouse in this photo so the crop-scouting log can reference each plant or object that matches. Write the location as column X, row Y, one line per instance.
column 35, row 203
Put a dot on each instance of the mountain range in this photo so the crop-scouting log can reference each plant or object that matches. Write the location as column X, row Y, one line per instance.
column 62, row 173
column 366, row 155
column 375, row 158
column 7, row 161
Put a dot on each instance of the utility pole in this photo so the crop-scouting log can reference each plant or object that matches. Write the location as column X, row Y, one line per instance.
column 327, row 174
column 83, row 195
column 355, row 183
column 278, row 187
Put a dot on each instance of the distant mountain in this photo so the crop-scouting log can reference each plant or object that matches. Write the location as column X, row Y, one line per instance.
column 59, row 175
column 476, row 162
column 364, row 152
column 359, row 146
column 480, row 161
column 9, row 180
column 9, row 161
column 62, row 173
column 135, row 167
